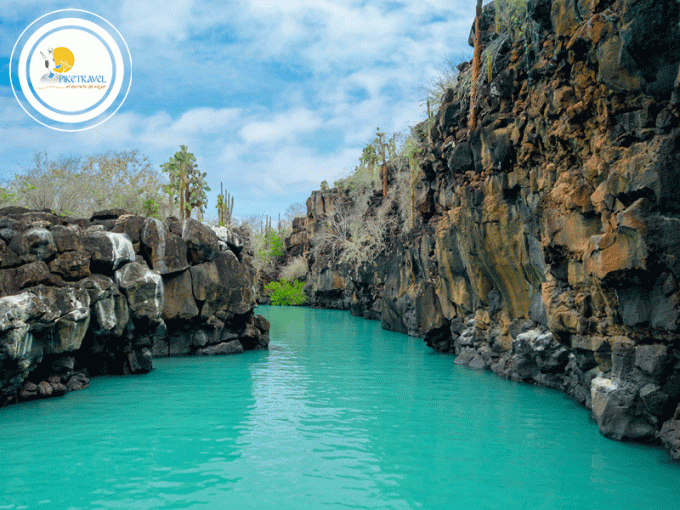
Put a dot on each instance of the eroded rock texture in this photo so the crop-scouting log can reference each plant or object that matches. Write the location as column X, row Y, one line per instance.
column 104, row 296
column 546, row 243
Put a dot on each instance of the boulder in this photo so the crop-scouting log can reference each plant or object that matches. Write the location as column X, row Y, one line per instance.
column 40, row 244
column 652, row 360
column 130, row 225
column 143, row 289
column 139, row 361
column 28, row 391
column 28, row 275
column 233, row 347
column 179, row 342
column 262, row 324
column 58, row 388
column 564, row 17
column 223, row 284
column 71, row 265
column 109, row 306
column 165, row 252
column 45, row 389
column 612, row 71
column 77, row 381
column 617, row 410
column 230, row 240
column 107, row 214
column 66, row 238
column 670, row 435
column 18, row 344
column 173, row 225
column 20, row 309
column 67, row 317
column 108, row 250
column 178, row 299
column 202, row 242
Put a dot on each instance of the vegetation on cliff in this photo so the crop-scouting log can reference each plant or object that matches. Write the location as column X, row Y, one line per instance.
column 187, row 185
column 74, row 186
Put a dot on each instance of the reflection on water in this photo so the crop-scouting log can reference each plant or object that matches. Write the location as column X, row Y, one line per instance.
column 338, row 414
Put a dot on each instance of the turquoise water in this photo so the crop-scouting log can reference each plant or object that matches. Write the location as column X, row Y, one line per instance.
column 338, row 414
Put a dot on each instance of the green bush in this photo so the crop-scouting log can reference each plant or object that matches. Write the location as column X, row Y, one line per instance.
column 276, row 245
column 285, row 293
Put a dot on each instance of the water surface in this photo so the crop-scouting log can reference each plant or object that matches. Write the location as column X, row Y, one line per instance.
column 338, row 414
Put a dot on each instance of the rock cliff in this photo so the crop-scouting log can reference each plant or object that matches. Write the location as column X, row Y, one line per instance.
column 546, row 242
column 107, row 295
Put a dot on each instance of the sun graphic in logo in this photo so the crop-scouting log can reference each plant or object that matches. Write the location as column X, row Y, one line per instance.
column 63, row 59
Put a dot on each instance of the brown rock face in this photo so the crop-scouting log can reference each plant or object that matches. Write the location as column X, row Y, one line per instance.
column 545, row 244
column 223, row 285
column 178, row 298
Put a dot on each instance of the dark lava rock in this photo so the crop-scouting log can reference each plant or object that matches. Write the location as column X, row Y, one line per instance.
column 201, row 241
column 164, row 251
column 233, row 347
column 107, row 214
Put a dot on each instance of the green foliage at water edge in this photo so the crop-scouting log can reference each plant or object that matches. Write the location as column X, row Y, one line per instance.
column 286, row 293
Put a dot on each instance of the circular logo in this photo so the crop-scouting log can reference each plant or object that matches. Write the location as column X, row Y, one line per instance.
column 70, row 70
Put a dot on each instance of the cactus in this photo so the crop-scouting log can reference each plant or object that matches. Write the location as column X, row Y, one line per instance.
column 225, row 207
column 187, row 182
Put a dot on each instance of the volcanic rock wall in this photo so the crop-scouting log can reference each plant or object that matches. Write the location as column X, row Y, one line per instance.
column 106, row 295
column 548, row 240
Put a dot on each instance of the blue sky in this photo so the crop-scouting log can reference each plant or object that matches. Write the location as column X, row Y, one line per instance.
column 271, row 96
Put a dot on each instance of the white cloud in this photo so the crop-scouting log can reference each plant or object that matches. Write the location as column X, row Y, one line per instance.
column 161, row 19
column 282, row 126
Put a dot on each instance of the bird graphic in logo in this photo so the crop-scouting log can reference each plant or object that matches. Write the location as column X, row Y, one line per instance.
column 62, row 59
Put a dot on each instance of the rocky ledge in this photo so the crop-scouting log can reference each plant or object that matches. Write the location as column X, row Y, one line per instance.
column 106, row 295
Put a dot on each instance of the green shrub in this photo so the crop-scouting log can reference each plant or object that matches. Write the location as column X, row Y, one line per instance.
column 276, row 245
column 285, row 293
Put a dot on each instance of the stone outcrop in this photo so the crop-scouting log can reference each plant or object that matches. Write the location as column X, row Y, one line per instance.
column 105, row 296
column 545, row 246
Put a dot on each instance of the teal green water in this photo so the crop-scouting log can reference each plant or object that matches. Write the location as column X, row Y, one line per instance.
column 338, row 414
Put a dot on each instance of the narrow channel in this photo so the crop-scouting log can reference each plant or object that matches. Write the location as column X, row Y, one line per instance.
column 337, row 414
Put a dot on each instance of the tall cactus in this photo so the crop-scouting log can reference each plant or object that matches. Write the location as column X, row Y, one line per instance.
column 186, row 182
column 225, row 207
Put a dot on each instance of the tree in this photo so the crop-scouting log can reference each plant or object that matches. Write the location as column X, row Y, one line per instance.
column 78, row 186
column 476, row 64
column 187, row 182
